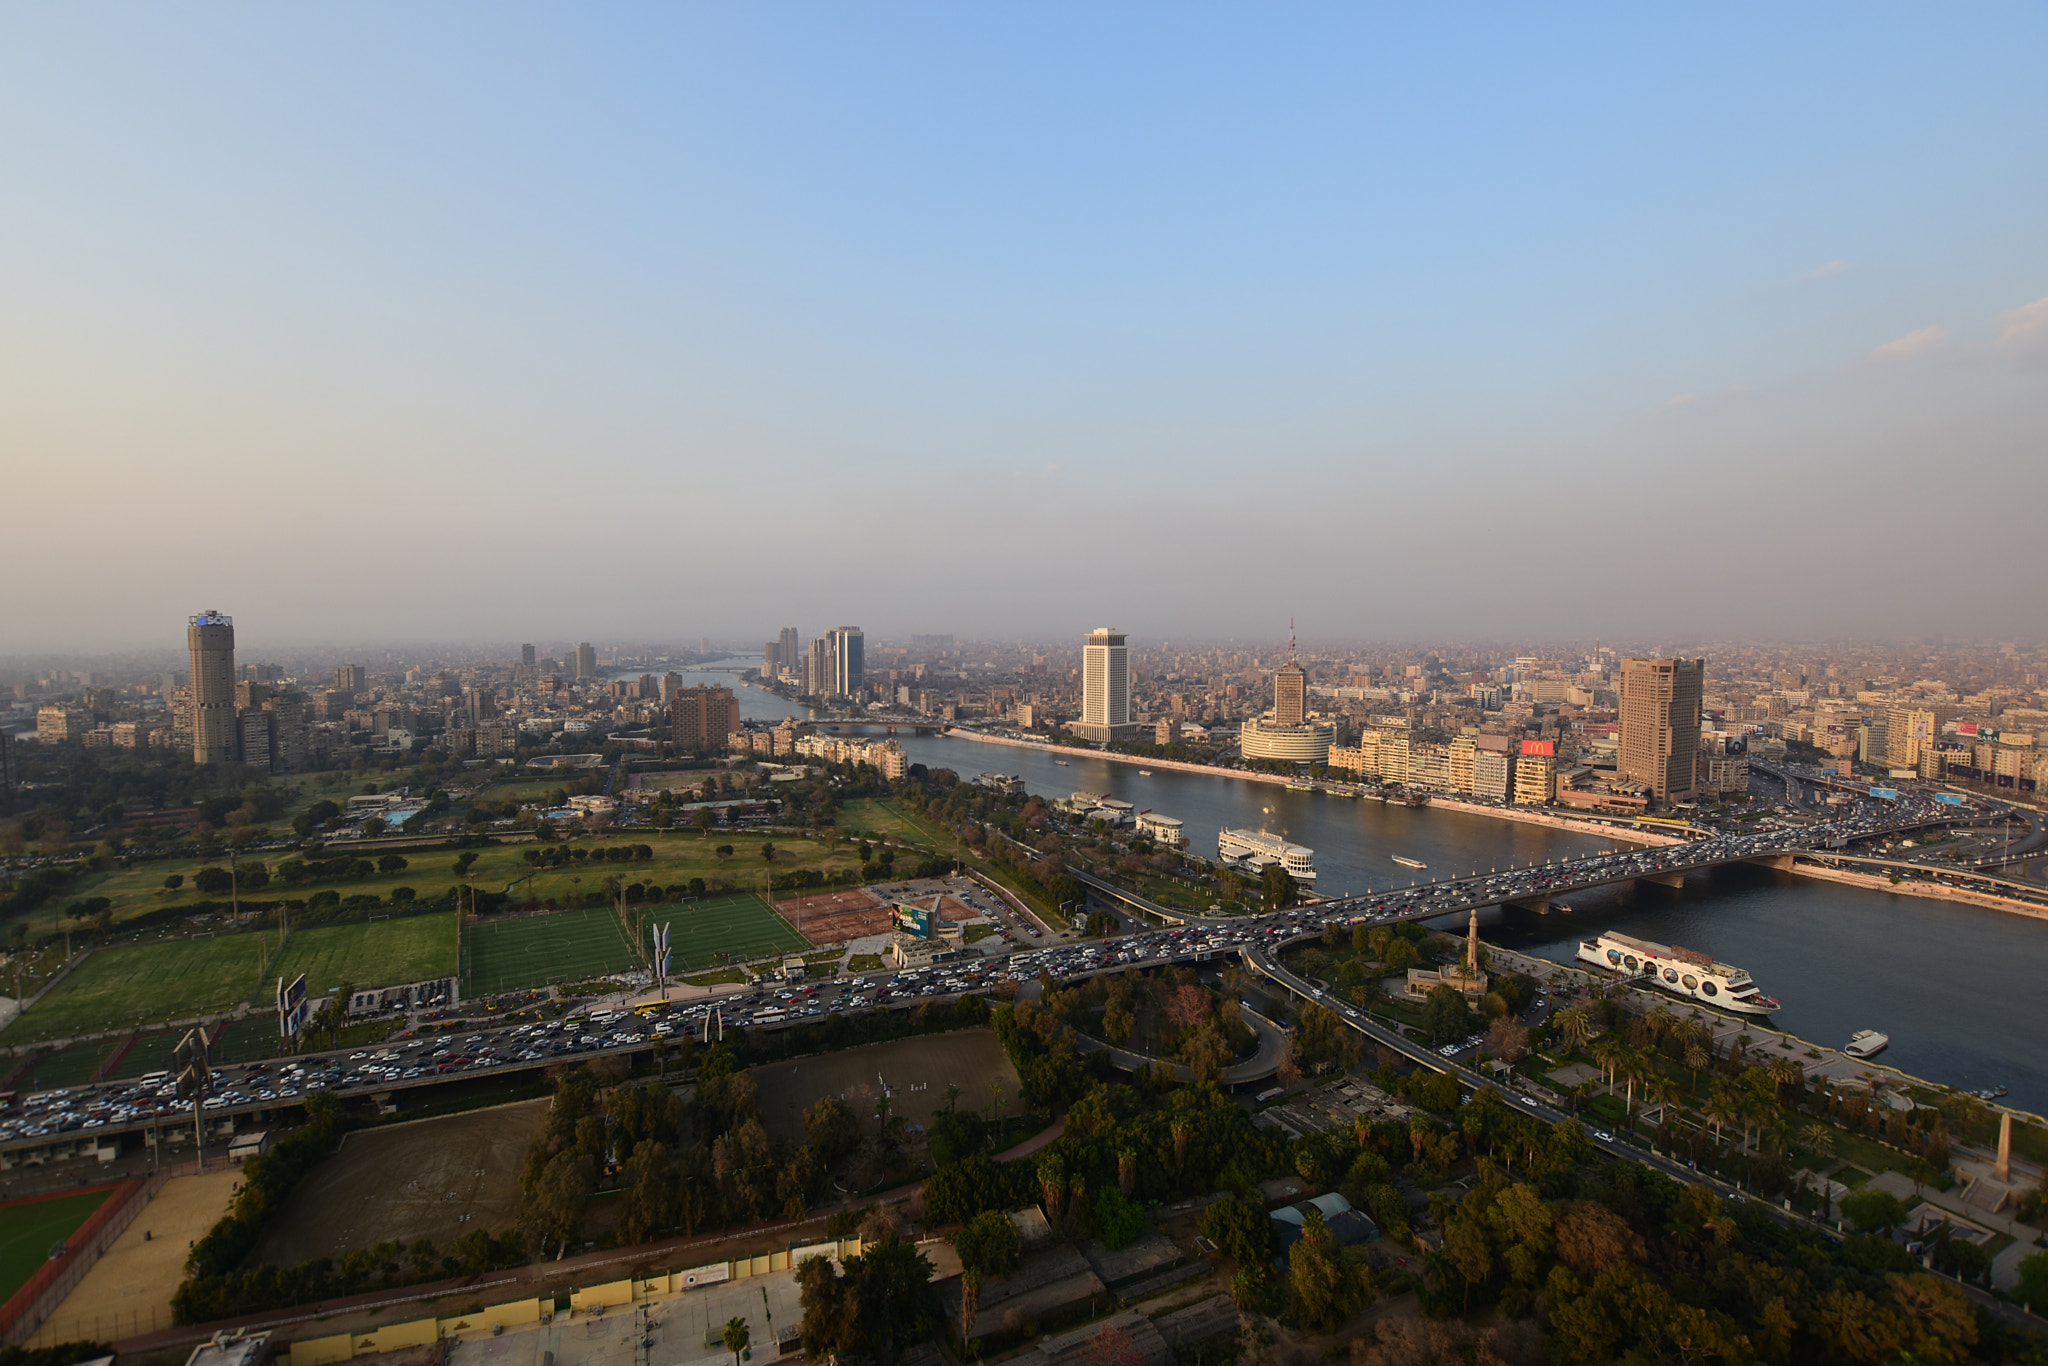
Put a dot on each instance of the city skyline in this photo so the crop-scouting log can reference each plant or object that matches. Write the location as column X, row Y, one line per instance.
column 1509, row 289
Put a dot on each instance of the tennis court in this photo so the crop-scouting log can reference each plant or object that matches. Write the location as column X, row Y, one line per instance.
column 533, row 950
column 723, row 929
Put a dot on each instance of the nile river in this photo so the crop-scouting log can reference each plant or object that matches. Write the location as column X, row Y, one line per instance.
column 1956, row 987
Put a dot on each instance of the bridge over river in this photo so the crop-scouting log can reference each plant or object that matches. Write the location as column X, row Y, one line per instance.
column 1534, row 885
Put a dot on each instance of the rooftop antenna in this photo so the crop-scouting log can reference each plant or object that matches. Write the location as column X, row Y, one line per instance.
column 1290, row 640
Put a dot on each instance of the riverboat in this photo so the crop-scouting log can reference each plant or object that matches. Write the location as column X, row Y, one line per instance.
column 1867, row 1043
column 1680, row 971
column 1253, row 850
column 1062, row 763
column 1409, row 862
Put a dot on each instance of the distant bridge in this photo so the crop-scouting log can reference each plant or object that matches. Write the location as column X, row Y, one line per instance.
column 1535, row 885
column 892, row 724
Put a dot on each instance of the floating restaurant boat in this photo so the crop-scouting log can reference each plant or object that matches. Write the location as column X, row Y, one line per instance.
column 1680, row 971
column 1867, row 1043
column 1252, row 850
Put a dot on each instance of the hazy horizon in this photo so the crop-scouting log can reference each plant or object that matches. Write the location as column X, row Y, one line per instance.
column 413, row 325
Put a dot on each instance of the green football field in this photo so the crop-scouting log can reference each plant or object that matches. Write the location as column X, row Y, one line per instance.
column 134, row 983
column 725, row 929
column 28, row 1230
column 383, row 953
column 534, row 950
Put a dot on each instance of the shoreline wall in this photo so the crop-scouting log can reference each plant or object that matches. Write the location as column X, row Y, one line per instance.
column 1531, row 817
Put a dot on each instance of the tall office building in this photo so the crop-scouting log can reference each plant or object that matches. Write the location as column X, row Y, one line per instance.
column 348, row 679
column 771, row 659
column 847, row 651
column 1105, row 686
column 1910, row 733
column 789, row 650
column 1660, row 724
column 1290, row 688
column 702, row 717
column 586, row 661
column 818, row 667
column 526, row 657
column 211, row 637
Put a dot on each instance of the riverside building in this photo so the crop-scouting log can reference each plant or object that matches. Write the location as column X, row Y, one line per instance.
column 1105, row 687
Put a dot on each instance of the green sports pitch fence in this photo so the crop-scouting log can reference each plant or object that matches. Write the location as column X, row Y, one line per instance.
column 714, row 931
column 575, row 945
column 534, row 950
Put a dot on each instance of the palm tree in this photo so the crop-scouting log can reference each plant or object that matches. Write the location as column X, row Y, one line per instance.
column 1780, row 1070
column 1609, row 1051
column 736, row 1337
column 1634, row 1068
column 1721, row 1107
column 1818, row 1139
column 1696, row 1057
column 1574, row 1026
column 1661, row 1023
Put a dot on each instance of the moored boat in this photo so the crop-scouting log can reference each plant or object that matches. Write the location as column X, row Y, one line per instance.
column 1252, row 850
column 1680, row 971
column 1867, row 1043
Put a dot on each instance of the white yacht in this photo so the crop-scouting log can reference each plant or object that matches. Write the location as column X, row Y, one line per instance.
column 1252, row 850
column 1406, row 862
column 1680, row 971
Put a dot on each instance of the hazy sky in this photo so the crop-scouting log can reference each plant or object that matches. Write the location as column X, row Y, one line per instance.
column 397, row 322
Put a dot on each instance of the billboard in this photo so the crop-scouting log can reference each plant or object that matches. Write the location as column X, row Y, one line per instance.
column 915, row 920
column 292, row 1006
column 661, row 953
column 1541, row 748
column 1890, row 794
column 1948, row 799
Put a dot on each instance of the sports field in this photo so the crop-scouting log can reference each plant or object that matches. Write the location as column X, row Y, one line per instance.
column 28, row 1229
column 722, row 929
column 133, row 983
column 533, row 950
column 384, row 953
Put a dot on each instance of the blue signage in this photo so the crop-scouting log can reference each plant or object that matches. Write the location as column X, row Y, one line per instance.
column 1890, row 794
column 1948, row 799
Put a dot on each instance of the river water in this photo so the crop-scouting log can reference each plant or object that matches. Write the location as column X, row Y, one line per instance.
column 1958, row 988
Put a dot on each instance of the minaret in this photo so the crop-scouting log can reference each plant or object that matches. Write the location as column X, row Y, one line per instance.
column 1472, row 946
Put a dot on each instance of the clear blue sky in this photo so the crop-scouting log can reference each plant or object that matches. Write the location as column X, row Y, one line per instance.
column 404, row 322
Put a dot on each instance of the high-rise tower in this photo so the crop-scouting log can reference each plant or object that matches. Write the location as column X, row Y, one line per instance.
column 848, row 664
column 1105, row 685
column 211, row 637
column 1660, row 724
column 1290, row 688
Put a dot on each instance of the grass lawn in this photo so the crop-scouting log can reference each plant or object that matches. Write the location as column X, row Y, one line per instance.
column 136, row 983
column 878, row 816
column 383, row 953
column 723, row 929
column 533, row 950
column 29, row 1229
column 678, row 857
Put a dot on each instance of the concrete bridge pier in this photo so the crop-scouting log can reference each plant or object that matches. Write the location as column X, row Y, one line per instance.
column 1538, row 904
column 1780, row 862
column 1662, row 879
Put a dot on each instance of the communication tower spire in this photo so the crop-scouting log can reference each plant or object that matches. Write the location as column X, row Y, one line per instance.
column 1290, row 640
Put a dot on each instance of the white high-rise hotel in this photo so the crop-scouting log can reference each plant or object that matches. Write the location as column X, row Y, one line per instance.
column 1105, row 686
